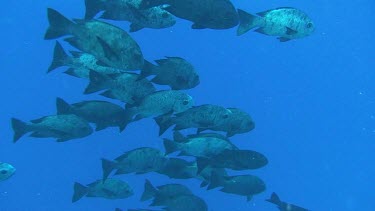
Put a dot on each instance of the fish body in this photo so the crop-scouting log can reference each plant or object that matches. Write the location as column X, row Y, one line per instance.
column 125, row 87
column 175, row 72
column 161, row 103
column 140, row 160
column 104, row 114
column 285, row 22
column 284, row 206
column 186, row 203
column 109, row 189
column 244, row 185
column 204, row 116
column 234, row 159
column 201, row 145
column 6, row 171
column 162, row 194
column 213, row 14
column 238, row 122
column 128, row 10
column 108, row 43
column 62, row 127
column 177, row 168
column 79, row 63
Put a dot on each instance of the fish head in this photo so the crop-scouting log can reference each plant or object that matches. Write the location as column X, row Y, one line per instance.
column 6, row 171
column 165, row 18
column 83, row 129
column 194, row 80
column 183, row 103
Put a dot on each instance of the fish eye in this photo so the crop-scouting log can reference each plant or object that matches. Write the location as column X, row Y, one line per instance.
column 185, row 102
column 4, row 171
column 309, row 25
column 164, row 15
column 225, row 116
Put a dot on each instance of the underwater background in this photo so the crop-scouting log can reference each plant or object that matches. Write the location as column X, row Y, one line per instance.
column 312, row 101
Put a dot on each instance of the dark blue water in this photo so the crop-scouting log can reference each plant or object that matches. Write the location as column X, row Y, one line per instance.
column 312, row 101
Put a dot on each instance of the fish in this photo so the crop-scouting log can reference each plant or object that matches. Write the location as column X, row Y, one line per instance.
column 125, row 87
column 186, row 203
column 177, row 168
column 79, row 64
column 104, row 114
column 162, row 194
column 175, row 72
column 233, row 159
column 244, row 185
column 212, row 14
column 285, row 22
column 128, row 10
column 201, row 145
column 109, row 189
column 160, row 103
column 6, row 171
column 237, row 123
column 142, row 210
column 141, row 160
column 109, row 44
column 63, row 127
column 284, row 206
column 203, row 116
column 206, row 174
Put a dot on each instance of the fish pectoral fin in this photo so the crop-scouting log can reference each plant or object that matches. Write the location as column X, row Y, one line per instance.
column 283, row 39
column 290, row 31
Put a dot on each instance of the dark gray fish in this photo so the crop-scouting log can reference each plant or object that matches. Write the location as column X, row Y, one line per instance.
column 206, row 173
column 141, row 160
column 213, row 14
column 141, row 210
column 234, row 159
column 204, row 116
column 244, row 185
column 109, row 189
column 285, row 22
column 108, row 43
column 177, row 168
column 238, row 122
column 160, row 103
column 128, row 10
column 161, row 195
column 201, row 145
column 175, row 72
column 186, row 203
column 284, row 206
column 6, row 171
column 104, row 114
column 63, row 127
column 125, row 87
column 79, row 63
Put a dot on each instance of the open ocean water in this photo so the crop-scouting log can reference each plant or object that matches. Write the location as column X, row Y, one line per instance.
column 312, row 100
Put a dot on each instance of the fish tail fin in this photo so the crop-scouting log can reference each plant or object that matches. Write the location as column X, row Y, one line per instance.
column 62, row 106
column 170, row 146
column 203, row 184
column 58, row 25
column 146, row 4
column 147, row 70
column 107, row 166
column 79, row 191
column 274, row 199
column 149, row 192
column 202, row 163
column 20, row 128
column 178, row 137
column 59, row 57
column 164, row 122
column 93, row 7
column 96, row 82
column 216, row 180
column 247, row 22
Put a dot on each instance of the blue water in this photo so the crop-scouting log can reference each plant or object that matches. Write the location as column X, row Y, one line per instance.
column 312, row 101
